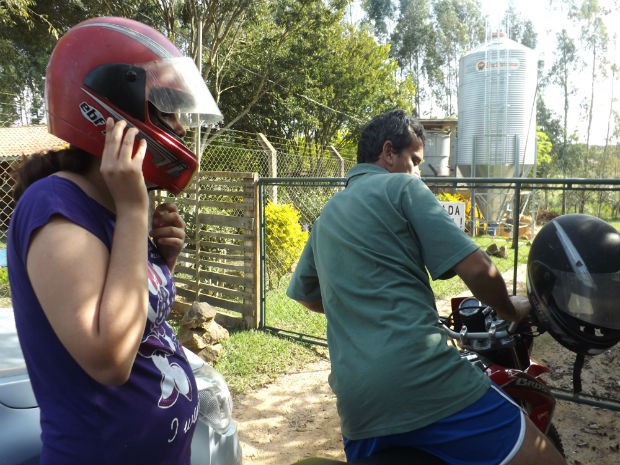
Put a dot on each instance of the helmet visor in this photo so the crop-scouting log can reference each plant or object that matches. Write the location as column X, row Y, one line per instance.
column 590, row 297
column 175, row 86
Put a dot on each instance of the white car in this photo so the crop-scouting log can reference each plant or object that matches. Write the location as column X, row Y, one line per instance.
column 215, row 441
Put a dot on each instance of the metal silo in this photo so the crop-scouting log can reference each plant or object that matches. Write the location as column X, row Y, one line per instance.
column 496, row 117
column 436, row 154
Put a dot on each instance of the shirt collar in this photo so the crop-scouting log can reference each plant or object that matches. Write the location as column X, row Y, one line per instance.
column 364, row 168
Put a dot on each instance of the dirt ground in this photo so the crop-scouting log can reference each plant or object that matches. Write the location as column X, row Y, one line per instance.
column 295, row 417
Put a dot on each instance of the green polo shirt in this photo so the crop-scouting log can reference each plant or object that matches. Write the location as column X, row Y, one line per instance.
column 368, row 258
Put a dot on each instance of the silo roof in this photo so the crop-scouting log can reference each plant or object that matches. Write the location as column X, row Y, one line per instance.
column 501, row 42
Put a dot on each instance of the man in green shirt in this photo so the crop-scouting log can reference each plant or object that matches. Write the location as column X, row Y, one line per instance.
column 366, row 265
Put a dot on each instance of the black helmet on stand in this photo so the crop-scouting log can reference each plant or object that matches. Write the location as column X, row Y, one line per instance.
column 573, row 282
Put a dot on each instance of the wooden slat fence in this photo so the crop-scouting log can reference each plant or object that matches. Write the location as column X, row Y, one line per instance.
column 220, row 263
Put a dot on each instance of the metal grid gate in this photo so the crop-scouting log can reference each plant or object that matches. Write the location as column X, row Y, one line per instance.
column 280, row 314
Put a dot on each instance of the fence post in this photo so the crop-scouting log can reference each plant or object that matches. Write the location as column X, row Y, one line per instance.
column 258, row 258
column 272, row 164
column 339, row 159
column 196, row 199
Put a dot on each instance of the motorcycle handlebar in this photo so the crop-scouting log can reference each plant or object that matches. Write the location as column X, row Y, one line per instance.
column 465, row 335
column 471, row 310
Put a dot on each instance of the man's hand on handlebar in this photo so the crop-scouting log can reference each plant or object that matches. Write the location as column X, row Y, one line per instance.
column 522, row 307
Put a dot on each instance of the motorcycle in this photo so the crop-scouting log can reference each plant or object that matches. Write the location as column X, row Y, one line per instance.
column 502, row 350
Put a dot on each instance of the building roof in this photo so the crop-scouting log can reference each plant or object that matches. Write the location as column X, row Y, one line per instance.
column 435, row 124
column 26, row 140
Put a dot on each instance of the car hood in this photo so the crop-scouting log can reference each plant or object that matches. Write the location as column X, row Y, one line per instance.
column 15, row 389
column 11, row 358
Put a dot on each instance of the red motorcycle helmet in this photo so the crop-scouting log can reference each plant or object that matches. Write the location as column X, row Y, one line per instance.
column 121, row 68
column 573, row 282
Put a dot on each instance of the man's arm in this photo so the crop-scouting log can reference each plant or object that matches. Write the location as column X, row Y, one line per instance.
column 314, row 305
column 485, row 281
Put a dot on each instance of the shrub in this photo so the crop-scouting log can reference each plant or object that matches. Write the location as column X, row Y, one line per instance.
column 4, row 282
column 284, row 240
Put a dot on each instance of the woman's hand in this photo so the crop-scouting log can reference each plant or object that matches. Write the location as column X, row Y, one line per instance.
column 168, row 232
column 121, row 166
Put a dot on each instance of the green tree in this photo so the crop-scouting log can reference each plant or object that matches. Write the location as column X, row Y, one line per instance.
column 326, row 78
column 377, row 11
column 29, row 31
column 547, row 162
column 550, row 124
column 519, row 29
column 459, row 26
column 561, row 74
column 595, row 39
column 413, row 45
column 290, row 68
column 543, row 151
column 13, row 9
column 428, row 38
column 544, row 159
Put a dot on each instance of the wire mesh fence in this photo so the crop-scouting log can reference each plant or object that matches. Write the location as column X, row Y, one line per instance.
column 6, row 209
column 6, row 198
column 238, row 151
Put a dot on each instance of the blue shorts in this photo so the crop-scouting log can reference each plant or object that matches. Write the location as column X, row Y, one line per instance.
column 488, row 432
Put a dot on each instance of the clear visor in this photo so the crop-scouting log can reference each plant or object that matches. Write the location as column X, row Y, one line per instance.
column 175, row 86
column 589, row 297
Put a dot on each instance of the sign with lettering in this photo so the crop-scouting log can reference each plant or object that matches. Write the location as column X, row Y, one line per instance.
column 457, row 211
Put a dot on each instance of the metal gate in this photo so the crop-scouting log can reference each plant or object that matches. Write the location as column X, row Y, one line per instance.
column 279, row 314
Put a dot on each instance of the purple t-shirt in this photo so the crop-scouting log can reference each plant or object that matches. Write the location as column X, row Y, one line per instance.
column 148, row 420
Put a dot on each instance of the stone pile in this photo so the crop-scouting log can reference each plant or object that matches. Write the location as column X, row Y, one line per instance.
column 200, row 333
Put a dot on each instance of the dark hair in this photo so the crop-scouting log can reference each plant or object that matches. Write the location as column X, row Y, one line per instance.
column 396, row 126
column 42, row 164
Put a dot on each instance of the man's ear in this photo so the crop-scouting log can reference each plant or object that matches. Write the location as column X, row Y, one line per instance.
column 386, row 156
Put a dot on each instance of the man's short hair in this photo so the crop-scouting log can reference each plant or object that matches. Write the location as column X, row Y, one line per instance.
column 402, row 129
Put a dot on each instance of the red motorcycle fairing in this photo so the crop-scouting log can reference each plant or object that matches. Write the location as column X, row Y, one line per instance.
column 535, row 369
column 531, row 393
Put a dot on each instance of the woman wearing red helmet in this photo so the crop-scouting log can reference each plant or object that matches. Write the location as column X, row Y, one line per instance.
column 90, row 278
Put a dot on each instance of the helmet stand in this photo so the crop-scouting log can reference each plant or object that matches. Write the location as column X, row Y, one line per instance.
column 577, row 367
